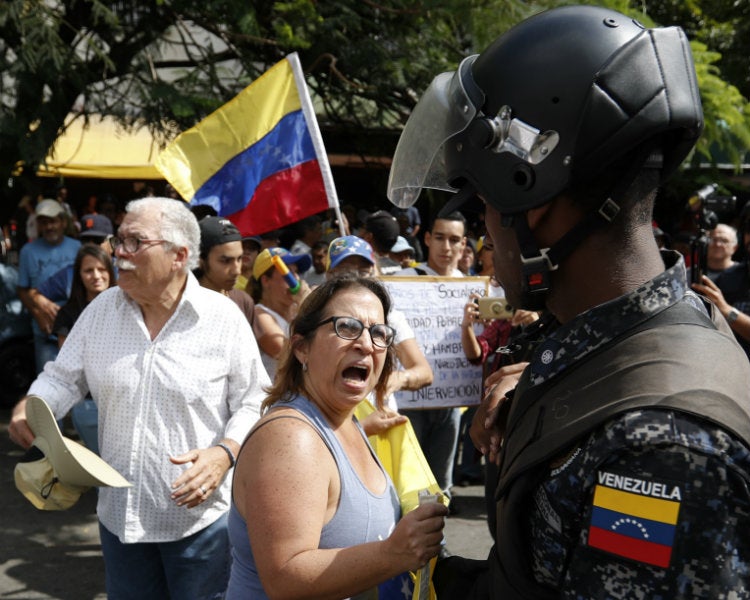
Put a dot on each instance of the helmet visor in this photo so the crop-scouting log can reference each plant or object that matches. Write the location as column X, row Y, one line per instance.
column 444, row 110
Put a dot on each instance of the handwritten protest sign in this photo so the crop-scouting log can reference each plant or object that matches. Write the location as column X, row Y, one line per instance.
column 434, row 307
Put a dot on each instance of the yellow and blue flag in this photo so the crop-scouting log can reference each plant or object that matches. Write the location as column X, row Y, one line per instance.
column 259, row 160
column 401, row 456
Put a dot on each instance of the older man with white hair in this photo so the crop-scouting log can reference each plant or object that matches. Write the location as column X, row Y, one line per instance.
column 176, row 373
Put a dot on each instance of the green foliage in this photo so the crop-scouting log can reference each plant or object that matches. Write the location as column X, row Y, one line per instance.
column 170, row 62
column 726, row 111
column 720, row 37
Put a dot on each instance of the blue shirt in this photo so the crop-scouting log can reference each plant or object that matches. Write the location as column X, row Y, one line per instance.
column 40, row 260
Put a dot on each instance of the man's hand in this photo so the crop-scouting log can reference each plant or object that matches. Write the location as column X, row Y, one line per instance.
column 488, row 425
column 711, row 291
column 42, row 309
column 197, row 483
column 19, row 430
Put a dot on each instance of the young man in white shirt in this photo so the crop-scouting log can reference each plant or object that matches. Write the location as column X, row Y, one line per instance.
column 437, row 429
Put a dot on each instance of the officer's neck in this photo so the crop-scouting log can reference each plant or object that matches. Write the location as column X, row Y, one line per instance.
column 599, row 271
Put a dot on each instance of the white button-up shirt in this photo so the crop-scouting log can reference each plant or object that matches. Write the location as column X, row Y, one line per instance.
column 200, row 380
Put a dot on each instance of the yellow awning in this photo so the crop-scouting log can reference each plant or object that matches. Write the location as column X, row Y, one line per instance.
column 102, row 150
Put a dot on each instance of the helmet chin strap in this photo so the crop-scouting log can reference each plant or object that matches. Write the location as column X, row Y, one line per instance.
column 537, row 263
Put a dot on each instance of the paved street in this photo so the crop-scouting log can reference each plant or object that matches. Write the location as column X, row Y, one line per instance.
column 46, row 555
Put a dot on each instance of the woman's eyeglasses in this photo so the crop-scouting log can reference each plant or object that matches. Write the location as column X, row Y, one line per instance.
column 349, row 328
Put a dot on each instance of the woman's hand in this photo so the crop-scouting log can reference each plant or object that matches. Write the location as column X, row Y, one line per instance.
column 381, row 420
column 418, row 535
column 471, row 311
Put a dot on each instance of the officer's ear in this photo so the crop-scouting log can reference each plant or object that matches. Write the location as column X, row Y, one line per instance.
column 553, row 220
column 536, row 216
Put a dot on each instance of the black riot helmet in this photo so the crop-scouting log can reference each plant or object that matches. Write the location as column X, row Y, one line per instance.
column 549, row 104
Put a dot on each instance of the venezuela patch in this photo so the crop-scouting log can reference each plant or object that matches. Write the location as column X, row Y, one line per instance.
column 634, row 518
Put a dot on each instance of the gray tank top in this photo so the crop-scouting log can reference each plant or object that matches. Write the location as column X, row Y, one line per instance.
column 361, row 515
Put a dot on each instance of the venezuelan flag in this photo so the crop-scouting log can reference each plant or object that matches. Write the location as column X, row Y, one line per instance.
column 258, row 160
column 634, row 526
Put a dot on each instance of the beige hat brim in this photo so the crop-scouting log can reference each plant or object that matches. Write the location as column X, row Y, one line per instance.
column 73, row 463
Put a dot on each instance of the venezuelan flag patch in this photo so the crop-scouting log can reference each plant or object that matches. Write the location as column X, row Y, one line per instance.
column 634, row 518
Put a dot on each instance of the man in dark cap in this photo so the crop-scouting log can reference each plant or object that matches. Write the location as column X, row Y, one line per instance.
column 220, row 262
column 381, row 231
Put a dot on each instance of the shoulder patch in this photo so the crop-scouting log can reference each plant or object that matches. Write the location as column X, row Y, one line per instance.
column 634, row 518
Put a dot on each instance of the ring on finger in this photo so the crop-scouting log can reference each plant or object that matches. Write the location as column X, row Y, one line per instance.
column 203, row 490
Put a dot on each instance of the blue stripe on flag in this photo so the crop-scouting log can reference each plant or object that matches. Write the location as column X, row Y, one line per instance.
column 634, row 527
column 230, row 189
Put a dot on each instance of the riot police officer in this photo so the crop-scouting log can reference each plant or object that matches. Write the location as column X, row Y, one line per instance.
column 624, row 464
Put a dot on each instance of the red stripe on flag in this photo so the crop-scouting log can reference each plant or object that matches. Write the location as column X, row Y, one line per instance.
column 283, row 198
column 623, row 545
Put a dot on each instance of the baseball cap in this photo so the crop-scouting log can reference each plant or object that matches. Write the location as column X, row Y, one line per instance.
column 216, row 231
column 256, row 239
column 384, row 228
column 401, row 245
column 96, row 226
column 49, row 208
column 344, row 247
column 57, row 470
column 263, row 262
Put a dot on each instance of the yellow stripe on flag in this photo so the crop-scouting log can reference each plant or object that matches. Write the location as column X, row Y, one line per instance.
column 637, row 506
column 229, row 130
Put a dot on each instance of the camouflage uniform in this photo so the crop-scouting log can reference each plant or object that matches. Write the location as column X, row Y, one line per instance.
column 655, row 503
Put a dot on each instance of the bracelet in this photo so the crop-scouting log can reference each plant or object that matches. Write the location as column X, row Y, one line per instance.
column 230, row 454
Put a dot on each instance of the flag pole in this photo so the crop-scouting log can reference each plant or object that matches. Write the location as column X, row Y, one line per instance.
column 317, row 138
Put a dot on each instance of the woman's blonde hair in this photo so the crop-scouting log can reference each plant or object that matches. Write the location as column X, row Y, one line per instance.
column 289, row 379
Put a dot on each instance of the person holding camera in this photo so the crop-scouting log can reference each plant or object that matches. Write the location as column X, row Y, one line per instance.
column 730, row 289
column 624, row 427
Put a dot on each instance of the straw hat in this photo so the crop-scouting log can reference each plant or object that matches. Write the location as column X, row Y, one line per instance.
column 57, row 470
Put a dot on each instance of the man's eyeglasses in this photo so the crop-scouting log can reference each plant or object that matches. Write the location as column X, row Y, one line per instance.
column 131, row 244
column 349, row 328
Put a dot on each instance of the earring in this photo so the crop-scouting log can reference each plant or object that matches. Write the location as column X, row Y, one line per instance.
column 304, row 367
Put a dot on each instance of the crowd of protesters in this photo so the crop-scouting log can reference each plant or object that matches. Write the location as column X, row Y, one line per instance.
column 64, row 262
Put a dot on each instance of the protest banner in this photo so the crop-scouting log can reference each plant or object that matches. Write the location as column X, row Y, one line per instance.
column 434, row 308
